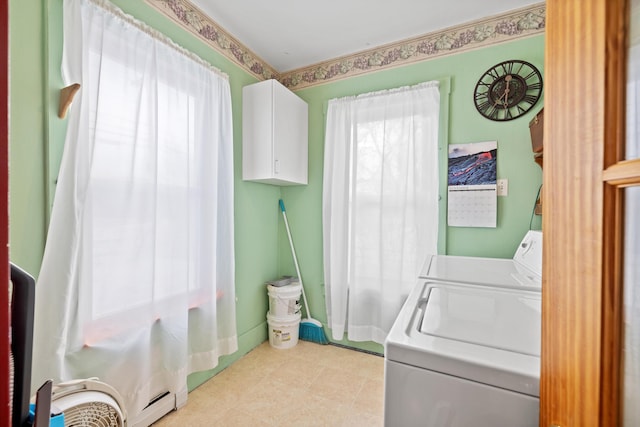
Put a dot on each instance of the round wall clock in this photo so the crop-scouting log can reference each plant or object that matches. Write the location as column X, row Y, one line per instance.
column 508, row 90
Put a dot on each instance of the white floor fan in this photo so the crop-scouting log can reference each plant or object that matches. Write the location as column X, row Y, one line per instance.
column 89, row 403
column 84, row 403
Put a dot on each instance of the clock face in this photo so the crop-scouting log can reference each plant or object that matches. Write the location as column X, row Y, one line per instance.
column 508, row 90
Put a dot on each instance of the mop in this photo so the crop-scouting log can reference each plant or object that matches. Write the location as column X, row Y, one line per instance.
column 310, row 328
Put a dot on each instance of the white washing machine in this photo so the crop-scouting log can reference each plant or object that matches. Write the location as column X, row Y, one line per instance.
column 465, row 348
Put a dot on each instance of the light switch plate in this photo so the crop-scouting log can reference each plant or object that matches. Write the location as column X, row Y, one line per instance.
column 503, row 187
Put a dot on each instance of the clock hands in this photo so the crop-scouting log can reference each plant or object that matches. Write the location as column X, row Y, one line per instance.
column 498, row 100
column 506, row 91
column 505, row 95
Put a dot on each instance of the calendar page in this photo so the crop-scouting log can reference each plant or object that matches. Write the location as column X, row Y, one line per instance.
column 472, row 206
column 472, row 190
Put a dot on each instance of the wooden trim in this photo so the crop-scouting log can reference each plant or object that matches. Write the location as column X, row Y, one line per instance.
column 585, row 61
column 611, row 309
column 623, row 174
column 572, row 253
column 613, row 214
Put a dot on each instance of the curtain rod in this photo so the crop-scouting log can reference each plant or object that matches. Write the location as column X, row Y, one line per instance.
column 113, row 9
column 431, row 83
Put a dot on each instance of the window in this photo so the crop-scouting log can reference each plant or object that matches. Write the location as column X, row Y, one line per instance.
column 380, row 205
column 139, row 259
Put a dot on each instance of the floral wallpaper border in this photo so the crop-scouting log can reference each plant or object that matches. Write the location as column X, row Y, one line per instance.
column 507, row 27
column 524, row 22
column 197, row 22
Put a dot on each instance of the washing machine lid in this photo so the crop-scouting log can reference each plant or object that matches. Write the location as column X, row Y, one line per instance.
column 490, row 317
column 484, row 271
column 524, row 271
column 485, row 334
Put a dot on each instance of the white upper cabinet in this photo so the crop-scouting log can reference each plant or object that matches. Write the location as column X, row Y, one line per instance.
column 274, row 135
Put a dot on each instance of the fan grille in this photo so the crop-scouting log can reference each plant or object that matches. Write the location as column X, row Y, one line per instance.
column 92, row 414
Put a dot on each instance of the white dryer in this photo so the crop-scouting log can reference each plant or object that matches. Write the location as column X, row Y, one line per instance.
column 465, row 348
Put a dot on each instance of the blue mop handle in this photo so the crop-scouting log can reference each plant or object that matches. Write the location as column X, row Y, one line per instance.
column 295, row 258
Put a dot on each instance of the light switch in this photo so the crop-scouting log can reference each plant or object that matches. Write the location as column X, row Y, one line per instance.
column 503, row 187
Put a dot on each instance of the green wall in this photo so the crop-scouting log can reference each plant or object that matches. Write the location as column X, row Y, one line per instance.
column 465, row 124
column 37, row 141
column 27, row 122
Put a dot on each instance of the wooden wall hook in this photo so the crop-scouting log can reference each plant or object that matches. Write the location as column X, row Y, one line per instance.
column 66, row 96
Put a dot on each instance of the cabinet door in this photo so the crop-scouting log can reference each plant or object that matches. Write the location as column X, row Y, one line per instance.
column 290, row 130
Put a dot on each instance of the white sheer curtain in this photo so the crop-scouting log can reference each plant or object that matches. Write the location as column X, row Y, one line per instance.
column 137, row 280
column 632, row 233
column 380, row 205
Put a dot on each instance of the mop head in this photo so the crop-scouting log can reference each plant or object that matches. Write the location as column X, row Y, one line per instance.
column 311, row 330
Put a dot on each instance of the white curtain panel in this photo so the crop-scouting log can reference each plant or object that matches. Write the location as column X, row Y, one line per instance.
column 137, row 280
column 380, row 205
column 631, row 351
column 632, row 234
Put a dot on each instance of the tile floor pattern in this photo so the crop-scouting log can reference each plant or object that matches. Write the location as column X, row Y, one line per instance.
column 304, row 386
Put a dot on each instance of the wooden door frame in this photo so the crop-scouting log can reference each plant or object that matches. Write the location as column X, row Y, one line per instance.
column 585, row 73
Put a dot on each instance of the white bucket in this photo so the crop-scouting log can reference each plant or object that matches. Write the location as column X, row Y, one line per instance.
column 283, row 331
column 284, row 300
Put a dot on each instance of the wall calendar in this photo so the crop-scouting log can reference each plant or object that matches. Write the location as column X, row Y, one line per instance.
column 472, row 185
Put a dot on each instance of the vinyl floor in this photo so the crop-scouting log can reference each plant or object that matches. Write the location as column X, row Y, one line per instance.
column 307, row 385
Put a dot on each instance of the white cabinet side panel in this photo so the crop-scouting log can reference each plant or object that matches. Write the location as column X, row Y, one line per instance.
column 257, row 131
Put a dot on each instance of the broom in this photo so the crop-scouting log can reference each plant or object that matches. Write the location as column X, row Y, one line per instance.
column 310, row 329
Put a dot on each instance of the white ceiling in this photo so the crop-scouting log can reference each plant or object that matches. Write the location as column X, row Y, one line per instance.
column 291, row 34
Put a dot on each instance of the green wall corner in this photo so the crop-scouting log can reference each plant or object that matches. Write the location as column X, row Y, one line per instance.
column 461, row 123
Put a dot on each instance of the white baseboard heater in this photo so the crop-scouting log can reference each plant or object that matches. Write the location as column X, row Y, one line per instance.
column 159, row 407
